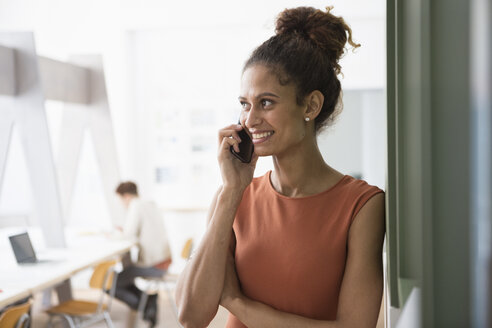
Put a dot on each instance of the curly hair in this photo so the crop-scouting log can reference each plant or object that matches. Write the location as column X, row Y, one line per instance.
column 306, row 50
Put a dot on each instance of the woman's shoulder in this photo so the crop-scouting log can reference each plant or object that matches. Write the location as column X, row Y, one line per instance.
column 359, row 185
column 358, row 192
column 261, row 179
column 259, row 184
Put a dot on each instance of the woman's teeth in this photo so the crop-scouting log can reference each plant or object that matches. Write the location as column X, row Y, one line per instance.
column 262, row 135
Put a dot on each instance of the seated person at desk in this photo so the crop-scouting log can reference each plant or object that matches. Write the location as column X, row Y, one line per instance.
column 145, row 225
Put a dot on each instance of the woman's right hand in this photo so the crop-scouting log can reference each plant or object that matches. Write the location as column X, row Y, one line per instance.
column 235, row 174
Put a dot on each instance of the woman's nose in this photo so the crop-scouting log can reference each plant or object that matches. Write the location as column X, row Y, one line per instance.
column 252, row 118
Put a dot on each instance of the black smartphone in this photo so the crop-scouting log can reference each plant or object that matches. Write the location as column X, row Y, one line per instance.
column 246, row 147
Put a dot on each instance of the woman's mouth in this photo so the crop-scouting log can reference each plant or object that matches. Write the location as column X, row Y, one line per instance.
column 261, row 137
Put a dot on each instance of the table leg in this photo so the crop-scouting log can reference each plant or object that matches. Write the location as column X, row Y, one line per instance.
column 46, row 301
column 126, row 260
column 64, row 291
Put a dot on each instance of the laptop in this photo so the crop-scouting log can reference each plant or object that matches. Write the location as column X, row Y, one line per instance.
column 23, row 250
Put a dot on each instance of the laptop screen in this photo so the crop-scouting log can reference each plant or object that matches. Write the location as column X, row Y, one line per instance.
column 22, row 247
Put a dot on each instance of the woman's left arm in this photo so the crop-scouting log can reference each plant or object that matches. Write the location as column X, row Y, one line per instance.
column 361, row 291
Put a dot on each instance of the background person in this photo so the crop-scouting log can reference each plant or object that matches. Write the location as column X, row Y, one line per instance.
column 144, row 224
column 302, row 245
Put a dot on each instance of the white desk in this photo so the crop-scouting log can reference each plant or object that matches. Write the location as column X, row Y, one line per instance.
column 84, row 251
column 10, row 295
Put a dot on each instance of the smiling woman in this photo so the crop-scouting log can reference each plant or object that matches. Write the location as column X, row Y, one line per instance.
column 300, row 246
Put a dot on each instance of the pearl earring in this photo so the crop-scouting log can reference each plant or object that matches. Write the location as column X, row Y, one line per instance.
column 306, row 119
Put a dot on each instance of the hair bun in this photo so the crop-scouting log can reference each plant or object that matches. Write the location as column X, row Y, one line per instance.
column 325, row 30
column 294, row 21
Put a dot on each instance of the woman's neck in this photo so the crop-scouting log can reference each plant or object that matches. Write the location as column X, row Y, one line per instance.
column 302, row 172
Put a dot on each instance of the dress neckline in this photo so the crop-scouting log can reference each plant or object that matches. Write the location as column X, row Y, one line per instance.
column 272, row 189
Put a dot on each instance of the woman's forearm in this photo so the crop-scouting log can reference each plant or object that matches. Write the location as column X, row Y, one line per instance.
column 200, row 285
column 256, row 314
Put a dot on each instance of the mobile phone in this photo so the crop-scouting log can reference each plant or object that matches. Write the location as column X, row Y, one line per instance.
column 246, row 147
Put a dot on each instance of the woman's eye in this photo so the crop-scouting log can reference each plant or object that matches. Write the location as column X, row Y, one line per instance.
column 244, row 105
column 266, row 102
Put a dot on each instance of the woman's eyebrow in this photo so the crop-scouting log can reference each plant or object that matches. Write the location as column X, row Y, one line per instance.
column 261, row 95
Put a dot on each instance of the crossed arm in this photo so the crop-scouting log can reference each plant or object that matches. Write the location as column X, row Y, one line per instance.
column 210, row 278
column 199, row 287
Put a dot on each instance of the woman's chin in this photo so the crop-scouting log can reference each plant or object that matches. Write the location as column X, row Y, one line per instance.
column 262, row 152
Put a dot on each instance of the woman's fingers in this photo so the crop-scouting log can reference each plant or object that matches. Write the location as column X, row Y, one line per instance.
column 230, row 132
column 234, row 173
column 228, row 136
column 233, row 127
column 227, row 142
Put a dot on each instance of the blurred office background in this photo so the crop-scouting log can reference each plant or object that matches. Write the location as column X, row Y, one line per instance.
column 172, row 71
column 172, row 76
column 416, row 122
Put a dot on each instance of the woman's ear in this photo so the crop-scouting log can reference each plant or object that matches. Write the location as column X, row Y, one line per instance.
column 314, row 102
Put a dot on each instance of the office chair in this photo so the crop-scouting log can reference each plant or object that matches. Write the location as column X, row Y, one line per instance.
column 187, row 249
column 80, row 313
column 16, row 316
column 151, row 285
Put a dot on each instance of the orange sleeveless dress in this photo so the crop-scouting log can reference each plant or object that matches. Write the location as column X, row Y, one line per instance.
column 291, row 252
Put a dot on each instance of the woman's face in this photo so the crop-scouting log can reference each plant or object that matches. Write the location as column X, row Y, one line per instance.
column 270, row 112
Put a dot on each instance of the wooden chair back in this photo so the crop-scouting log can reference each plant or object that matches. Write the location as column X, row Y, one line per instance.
column 11, row 317
column 187, row 249
column 102, row 277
